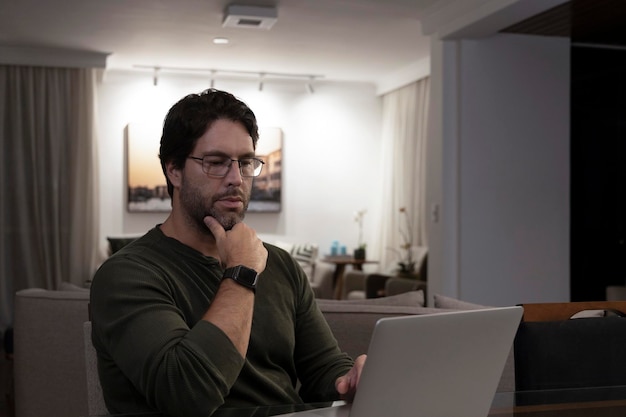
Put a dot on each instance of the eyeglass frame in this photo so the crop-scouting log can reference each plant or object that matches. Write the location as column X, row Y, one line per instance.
column 229, row 165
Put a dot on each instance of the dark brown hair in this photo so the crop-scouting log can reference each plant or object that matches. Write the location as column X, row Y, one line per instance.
column 190, row 118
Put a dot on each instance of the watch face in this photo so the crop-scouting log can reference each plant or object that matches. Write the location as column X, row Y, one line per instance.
column 242, row 275
column 247, row 275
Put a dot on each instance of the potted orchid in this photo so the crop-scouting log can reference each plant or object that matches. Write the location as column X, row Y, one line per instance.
column 359, row 252
column 406, row 264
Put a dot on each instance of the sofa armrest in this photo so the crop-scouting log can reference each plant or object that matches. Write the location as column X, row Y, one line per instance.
column 321, row 279
column 50, row 376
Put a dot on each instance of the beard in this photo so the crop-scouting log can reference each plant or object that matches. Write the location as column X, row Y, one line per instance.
column 197, row 207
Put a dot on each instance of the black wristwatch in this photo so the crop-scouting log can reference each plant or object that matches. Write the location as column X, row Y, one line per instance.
column 242, row 275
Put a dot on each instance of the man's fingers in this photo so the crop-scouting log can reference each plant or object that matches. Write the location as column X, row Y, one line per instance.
column 346, row 385
column 215, row 227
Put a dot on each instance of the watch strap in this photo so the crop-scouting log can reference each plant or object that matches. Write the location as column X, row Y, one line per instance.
column 242, row 275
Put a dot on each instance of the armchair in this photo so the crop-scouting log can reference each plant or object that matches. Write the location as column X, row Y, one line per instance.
column 399, row 285
column 321, row 279
column 353, row 285
column 359, row 285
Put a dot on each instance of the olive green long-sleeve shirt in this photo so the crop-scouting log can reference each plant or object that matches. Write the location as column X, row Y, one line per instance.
column 155, row 352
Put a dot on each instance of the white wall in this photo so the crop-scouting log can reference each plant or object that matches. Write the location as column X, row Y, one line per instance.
column 501, row 116
column 331, row 150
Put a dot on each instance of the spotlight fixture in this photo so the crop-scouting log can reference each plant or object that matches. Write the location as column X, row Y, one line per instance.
column 261, row 76
column 309, row 86
column 155, row 76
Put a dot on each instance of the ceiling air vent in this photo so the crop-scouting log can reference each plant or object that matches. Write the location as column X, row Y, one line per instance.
column 250, row 17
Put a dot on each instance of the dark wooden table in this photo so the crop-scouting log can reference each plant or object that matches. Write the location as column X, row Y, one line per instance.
column 340, row 263
column 580, row 402
column 584, row 402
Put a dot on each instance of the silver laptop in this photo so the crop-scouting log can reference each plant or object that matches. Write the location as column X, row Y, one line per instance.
column 445, row 364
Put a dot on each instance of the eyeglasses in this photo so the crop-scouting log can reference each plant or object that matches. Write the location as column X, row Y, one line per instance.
column 218, row 166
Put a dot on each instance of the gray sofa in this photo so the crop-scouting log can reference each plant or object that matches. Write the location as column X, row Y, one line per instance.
column 50, row 372
column 49, row 362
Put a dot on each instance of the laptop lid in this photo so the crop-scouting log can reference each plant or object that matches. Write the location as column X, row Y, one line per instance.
column 446, row 364
column 436, row 365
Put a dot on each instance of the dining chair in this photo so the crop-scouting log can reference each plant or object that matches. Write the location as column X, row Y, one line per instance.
column 360, row 285
column 567, row 310
column 571, row 345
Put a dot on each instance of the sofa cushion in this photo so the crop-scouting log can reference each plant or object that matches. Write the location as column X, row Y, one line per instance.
column 353, row 324
column 409, row 298
column 352, row 321
column 117, row 243
column 441, row 301
column 68, row 286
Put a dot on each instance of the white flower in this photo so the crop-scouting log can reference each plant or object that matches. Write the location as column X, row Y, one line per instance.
column 358, row 218
column 405, row 253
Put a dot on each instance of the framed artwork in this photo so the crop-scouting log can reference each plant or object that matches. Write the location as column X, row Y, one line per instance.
column 147, row 189
column 267, row 187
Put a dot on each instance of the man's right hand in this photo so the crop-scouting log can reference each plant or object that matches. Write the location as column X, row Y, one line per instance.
column 232, row 308
column 238, row 246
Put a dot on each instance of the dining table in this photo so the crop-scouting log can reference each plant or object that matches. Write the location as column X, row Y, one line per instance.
column 341, row 262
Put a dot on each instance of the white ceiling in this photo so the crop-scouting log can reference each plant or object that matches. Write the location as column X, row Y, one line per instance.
column 355, row 40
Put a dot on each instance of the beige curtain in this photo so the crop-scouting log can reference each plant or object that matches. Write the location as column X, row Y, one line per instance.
column 405, row 115
column 48, row 179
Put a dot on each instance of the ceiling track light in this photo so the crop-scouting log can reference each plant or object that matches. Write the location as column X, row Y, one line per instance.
column 261, row 77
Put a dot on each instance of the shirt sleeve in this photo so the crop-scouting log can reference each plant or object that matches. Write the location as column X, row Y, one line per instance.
column 178, row 369
column 318, row 357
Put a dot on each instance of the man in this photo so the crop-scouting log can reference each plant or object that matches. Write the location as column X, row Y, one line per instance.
column 198, row 313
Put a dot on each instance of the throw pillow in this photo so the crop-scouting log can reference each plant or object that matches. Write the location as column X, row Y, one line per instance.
column 441, row 301
column 305, row 254
column 68, row 286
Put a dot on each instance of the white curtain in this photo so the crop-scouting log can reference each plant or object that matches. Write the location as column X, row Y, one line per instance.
column 48, row 180
column 405, row 114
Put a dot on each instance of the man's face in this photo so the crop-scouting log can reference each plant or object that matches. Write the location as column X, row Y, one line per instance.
column 224, row 198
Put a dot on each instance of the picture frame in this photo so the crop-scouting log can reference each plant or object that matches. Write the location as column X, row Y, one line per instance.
column 147, row 188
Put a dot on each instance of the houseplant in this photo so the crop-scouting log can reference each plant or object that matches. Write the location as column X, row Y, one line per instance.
column 360, row 252
column 407, row 262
